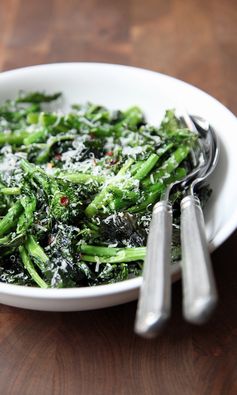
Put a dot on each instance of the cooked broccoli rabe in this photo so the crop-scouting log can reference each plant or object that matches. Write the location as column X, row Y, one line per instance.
column 77, row 189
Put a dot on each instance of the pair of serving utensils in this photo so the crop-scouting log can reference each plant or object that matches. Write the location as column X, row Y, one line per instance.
column 199, row 290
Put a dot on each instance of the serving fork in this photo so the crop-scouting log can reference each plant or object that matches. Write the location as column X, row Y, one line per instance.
column 199, row 290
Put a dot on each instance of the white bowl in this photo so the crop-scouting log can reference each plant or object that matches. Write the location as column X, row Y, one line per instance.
column 118, row 87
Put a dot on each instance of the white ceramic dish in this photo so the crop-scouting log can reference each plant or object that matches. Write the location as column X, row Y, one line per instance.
column 119, row 87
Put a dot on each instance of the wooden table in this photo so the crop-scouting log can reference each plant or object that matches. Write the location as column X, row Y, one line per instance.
column 96, row 352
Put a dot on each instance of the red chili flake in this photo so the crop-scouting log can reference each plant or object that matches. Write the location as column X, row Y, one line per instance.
column 64, row 201
column 58, row 157
column 109, row 153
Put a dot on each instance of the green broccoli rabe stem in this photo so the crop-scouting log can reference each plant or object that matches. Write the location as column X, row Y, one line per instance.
column 173, row 161
column 146, row 167
column 15, row 138
column 127, row 199
column 177, row 174
column 125, row 191
column 105, row 196
column 164, row 148
column 49, row 185
column 117, row 256
column 93, row 226
column 26, row 219
column 9, row 221
column 100, row 201
column 30, row 268
column 37, row 253
column 10, row 191
column 126, row 166
column 27, row 167
column 169, row 165
column 99, row 251
column 39, row 136
column 154, row 191
column 32, row 118
column 150, row 163
column 136, row 166
column 81, row 178
column 117, row 204
column 150, row 199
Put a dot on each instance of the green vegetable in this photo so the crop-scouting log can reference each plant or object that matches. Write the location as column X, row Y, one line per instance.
column 9, row 221
column 30, row 268
column 77, row 189
column 112, row 255
column 37, row 97
column 37, row 252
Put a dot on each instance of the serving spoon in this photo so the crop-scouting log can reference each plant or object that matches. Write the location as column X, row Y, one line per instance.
column 154, row 302
column 199, row 290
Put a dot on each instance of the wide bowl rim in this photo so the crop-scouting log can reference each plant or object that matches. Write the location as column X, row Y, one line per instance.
column 126, row 285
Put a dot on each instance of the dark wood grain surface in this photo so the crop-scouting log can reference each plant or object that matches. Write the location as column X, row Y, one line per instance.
column 96, row 352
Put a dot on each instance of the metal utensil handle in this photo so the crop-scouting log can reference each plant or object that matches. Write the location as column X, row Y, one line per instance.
column 155, row 294
column 199, row 290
